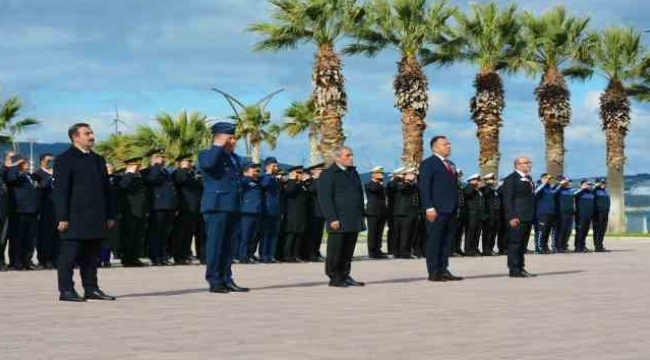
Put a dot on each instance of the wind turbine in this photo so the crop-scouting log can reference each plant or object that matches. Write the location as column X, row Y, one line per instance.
column 117, row 121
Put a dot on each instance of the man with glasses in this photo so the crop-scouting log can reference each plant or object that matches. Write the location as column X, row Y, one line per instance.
column 519, row 208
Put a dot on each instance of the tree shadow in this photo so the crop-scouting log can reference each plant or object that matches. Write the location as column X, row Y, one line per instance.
column 310, row 284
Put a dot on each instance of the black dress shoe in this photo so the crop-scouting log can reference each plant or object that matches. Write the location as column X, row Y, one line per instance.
column 219, row 289
column 339, row 284
column 527, row 274
column 98, row 295
column 600, row 250
column 437, row 278
column 29, row 266
column 71, row 296
column 451, row 277
column 232, row 287
column 351, row 282
column 521, row 274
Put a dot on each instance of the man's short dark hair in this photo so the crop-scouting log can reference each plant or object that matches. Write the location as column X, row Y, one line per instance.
column 435, row 139
column 43, row 156
column 74, row 129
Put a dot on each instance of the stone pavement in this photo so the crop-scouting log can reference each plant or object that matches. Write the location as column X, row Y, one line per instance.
column 583, row 306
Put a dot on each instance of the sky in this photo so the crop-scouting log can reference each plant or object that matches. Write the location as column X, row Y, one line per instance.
column 74, row 60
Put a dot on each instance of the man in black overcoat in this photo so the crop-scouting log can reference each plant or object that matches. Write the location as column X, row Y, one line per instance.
column 340, row 195
column 85, row 210
column 519, row 209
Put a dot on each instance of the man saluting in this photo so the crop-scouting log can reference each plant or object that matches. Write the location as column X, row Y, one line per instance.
column 85, row 210
column 220, row 205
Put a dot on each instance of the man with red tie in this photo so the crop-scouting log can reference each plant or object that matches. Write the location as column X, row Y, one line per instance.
column 438, row 185
column 519, row 209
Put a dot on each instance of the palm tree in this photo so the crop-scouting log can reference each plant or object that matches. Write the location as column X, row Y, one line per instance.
column 621, row 59
column 489, row 38
column 9, row 125
column 557, row 49
column 301, row 117
column 322, row 23
column 253, row 124
column 182, row 135
column 406, row 26
column 116, row 149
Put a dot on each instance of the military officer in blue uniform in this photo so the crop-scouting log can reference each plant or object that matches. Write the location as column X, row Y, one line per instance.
column 565, row 213
column 585, row 204
column 220, row 206
column 252, row 200
column 162, row 207
column 272, row 212
column 601, row 215
column 545, row 210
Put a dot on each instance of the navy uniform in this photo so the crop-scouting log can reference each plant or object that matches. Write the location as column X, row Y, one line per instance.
column 24, row 216
column 391, row 189
column 492, row 222
column 272, row 213
column 565, row 213
column 133, row 209
column 220, row 206
column 187, row 223
column 4, row 215
column 376, row 212
column 475, row 207
column 316, row 226
column 502, row 237
column 296, row 215
column 545, row 210
column 601, row 215
column 163, row 202
column 252, row 202
column 405, row 215
column 461, row 219
column 585, row 209
column 48, row 236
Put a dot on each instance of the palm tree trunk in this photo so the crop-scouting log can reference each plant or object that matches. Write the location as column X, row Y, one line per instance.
column 329, row 97
column 256, row 152
column 615, row 115
column 314, row 146
column 412, row 99
column 553, row 98
column 486, row 108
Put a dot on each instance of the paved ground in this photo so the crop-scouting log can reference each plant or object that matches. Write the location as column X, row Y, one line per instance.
column 587, row 306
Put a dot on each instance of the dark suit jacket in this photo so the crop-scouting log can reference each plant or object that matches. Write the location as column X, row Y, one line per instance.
column 438, row 187
column 475, row 203
column 24, row 192
column 296, row 207
column 189, row 189
column 133, row 195
column 376, row 199
column 340, row 195
column 518, row 198
column 82, row 194
column 272, row 194
column 316, row 211
column 45, row 181
column 162, row 188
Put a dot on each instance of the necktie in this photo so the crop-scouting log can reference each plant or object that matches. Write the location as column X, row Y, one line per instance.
column 448, row 166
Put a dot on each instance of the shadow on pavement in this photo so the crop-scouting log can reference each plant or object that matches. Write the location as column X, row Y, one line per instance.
column 324, row 283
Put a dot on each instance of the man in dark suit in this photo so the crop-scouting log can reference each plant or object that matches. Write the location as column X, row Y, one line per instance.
column 133, row 209
column 24, row 216
column 376, row 212
column 220, row 206
column 163, row 206
column 187, row 221
column 316, row 226
column 85, row 210
column 296, row 213
column 48, row 237
column 519, row 210
column 340, row 195
column 439, row 195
